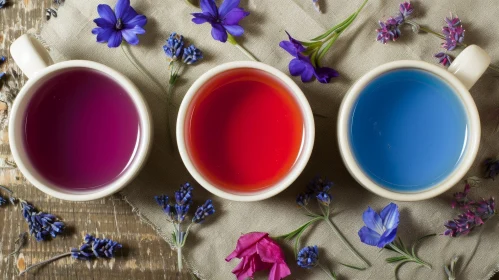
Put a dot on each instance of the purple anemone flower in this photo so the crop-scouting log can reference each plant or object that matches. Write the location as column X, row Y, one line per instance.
column 223, row 20
column 380, row 229
column 122, row 23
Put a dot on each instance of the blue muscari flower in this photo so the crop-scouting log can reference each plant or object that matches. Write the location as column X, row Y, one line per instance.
column 223, row 20
column 184, row 195
column 122, row 23
column 2, row 3
column 303, row 199
column 192, row 55
column 95, row 248
column 174, row 46
column 324, row 198
column 203, row 211
column 380, row 229
column 308, row 257
column 41, row 225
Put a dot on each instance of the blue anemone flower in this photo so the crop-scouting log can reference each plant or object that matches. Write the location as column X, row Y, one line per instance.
column 223, row 20
column 122, row 23
column 380, row 229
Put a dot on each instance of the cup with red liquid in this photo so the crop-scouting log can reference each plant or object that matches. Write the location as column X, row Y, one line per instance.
column 245, row 131
column 78, row 130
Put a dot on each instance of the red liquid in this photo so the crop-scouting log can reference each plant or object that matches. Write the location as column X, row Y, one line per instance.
column 81, row 130
column 244, row 131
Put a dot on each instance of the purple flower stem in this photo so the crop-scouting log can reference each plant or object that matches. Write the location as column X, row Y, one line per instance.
column 45, row 262
column 233, row 41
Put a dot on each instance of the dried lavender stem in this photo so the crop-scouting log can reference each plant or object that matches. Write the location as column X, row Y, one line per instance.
column 44, row 262
column 179, row 248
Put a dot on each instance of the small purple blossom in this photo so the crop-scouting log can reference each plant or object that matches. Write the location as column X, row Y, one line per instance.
column 443, row 58
column 164, row 202
column 308, row 257
column 203, row 211
column 406, row 9
column 192, row 55
column 93, row 248
column 184, row 195
column 3, row 201
column 492, row 168
column 318, row 185
column 174, row 46
column 223, row 20
column 42, row 225
column 461, row 199
column 324, row 198
column 389, row 30
column 122, row 23
column 453, row 32
column 303, row 199
column 380, row 229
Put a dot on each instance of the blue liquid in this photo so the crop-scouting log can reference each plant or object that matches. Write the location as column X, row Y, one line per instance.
column 408, row 130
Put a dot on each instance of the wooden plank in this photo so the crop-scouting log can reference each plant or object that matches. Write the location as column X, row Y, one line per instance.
column 144, row 256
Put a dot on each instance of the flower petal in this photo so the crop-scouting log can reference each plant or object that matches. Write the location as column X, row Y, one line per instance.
column 390, row 216
column 234, row 16
column 227, row 6
column 106, row 13
column 130, row 36
column 373, row 220
column 102, row 22
column 104, row 35
column 97, row 30
column 269, row 251
column 308, row 74
column 209, row 6
column 279, row 271
column 369, row 236
column 246, row 268
column 219, row 33
column 114, row 40
column 121, row 8
column 235, row 30
column 296, row 67
column 246, row 245
column 131, row 13
column 325, row 74
column 138, row 20
column 387, row 238
column 200, row 18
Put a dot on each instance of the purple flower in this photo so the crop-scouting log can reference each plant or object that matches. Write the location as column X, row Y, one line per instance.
column 174, row 46
column 95, row 248
column 184, row 195
column 324, row 198
column 325, row 74
column 203, row 211
column 318, row 185
column 308, row 257
column 42, row 225
column 192, row 55
column 224, row 19
column 443, row 58
column 406, row 9
column 293, row 46
column 380, row 229
column 492, row 168
column 164, row 202
column 122, row 23
column 453, row 32
column 303, row 199
column 461, row 199
column 388, row 31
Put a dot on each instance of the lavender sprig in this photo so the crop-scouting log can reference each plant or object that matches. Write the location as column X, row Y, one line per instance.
column 41, row 225
column 92, row 248
column 320, row 189
column 177, row 212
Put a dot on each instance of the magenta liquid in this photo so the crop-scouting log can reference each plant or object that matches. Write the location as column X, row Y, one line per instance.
column 81, row 130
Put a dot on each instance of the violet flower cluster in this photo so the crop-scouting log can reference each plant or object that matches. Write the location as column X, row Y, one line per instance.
column 177, row 211
column 307, row 55
column 475, row 213
column 453, row 33
column 390, row 29
column 308, row 258
column 41, row 225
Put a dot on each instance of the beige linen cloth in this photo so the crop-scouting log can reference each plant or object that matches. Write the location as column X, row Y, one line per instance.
column 356, row 52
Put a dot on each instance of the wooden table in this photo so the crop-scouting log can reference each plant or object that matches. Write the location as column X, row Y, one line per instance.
column 145, row 255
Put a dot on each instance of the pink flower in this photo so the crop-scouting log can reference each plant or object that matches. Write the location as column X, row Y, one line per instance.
column 258, row 252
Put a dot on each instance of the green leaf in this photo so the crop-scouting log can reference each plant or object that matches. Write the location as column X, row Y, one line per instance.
column 334, row 28
column 353, row 267
column 396, row 259
column 398, row 267
column 297, row 240
column 295, row 232
column 413, row 249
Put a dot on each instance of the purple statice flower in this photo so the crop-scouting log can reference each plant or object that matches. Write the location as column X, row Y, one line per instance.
column 453, row 32
column 324, row 198
column 93, row 248
column 492, row 168
column 308, row 257
column 203, row 211
column 389, row 30
column 42, row 225
column 223, row 20
column 462, row 200
column 174, row 46
column 380, row 229
column 191, row 55
column 303, row 199
column 122, row 23
column 444, row 58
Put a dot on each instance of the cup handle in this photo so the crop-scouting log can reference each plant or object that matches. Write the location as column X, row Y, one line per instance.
column 30, row 55
column 470, row 65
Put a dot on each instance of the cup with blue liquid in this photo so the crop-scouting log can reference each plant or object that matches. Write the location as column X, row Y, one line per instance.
column 410, row 130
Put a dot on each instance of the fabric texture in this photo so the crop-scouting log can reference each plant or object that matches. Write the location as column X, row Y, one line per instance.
column 356, row 52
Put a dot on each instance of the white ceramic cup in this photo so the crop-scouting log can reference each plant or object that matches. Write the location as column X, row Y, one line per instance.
column 307, row 142
column 35, row 62
column 461, row 75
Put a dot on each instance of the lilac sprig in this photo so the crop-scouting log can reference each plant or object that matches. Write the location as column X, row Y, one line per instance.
column 308, row 258
column 307, row 55
column 319, row 189
column 224, row 21
column 177, row 211
column 475, row 213
column 92, row 248
column 380, row 231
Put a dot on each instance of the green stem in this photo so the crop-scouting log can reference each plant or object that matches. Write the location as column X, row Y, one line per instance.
column 326, row 271
column 233, row 41
column 140, row 68
column 345, row 241
column 44, row 262
column 179, row 247
column 408, row 256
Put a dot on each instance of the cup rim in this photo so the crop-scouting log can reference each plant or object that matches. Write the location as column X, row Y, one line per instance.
column 23, row 162
column 450, row 180
column 307, row 145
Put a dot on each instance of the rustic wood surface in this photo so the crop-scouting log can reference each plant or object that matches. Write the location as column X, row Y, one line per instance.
column 144, row 256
